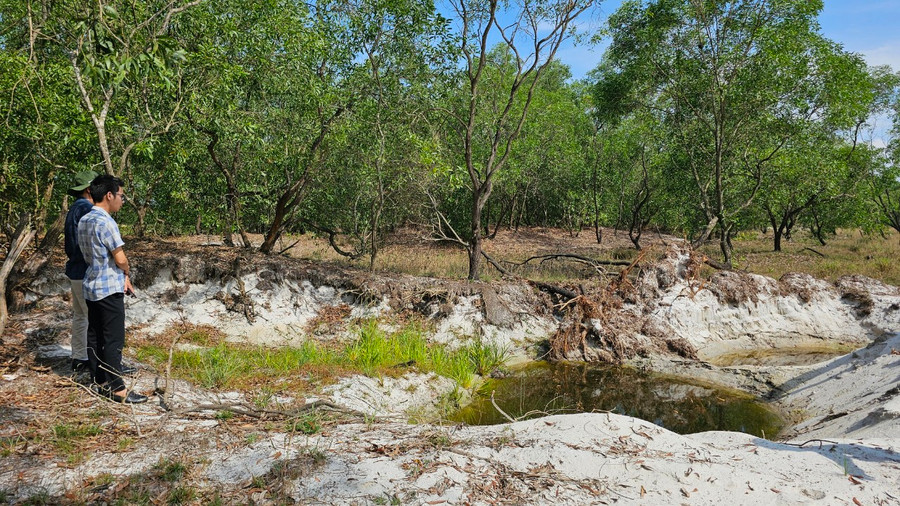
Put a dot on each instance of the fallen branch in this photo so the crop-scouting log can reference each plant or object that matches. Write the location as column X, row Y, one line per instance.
column 562, row 292
column 244, row 409
column 814, row 251
column 820, row 441
column 715, row 264
column 596, row 264
column 511, row 419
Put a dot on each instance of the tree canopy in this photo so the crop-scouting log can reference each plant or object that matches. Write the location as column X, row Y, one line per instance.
column 349, row 118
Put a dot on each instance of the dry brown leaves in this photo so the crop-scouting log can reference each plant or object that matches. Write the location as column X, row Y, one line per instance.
column 329, row 320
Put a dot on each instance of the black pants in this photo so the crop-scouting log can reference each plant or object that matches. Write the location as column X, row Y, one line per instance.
column 106, row 337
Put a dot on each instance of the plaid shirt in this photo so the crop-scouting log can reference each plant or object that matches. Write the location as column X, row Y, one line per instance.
column 98, row 237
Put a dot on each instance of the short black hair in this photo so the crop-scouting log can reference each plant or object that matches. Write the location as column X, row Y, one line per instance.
column 103, row 184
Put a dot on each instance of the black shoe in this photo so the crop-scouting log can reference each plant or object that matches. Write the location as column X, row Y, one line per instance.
column 101, row 390
column 131, row 397
column 81, row 371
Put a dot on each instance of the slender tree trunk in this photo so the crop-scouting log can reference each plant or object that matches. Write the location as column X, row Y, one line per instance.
column 776, row 228
column 725, row 244
column 19, row 241
column 474, row 249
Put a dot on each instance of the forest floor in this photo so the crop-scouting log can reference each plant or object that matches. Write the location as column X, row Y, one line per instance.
column 328, row 435
column 406, row 251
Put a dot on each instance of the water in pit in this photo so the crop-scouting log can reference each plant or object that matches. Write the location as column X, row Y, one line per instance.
column 544, row 388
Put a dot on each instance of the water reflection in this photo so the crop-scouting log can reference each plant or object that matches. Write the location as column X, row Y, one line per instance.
column 673, row 403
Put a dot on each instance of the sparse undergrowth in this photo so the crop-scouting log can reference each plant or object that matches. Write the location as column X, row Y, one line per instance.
column 848, row 252
column 374, row 352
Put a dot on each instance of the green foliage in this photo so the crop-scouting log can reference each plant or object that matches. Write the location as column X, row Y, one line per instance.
column 732, row 94
column 352, row 118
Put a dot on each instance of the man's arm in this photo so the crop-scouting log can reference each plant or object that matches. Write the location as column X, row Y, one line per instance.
column 121, row 260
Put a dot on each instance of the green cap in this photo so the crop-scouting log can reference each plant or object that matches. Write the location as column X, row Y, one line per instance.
column 82, row 181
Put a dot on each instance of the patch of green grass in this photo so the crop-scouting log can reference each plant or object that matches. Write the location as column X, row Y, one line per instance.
column 170, row 470
column 309, row 423
column 8, row 445
column 181, row 495
column 65, row 432
column 258, row 482
column 454, row 365
column 374, row 352
column 68, row 439
column 104, row 479
column 264, row 398
column 225, row 414
column 315, row 456
column 485, row 356
column 124, row 443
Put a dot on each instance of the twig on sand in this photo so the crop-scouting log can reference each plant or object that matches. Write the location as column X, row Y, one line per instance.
column 820, row 441
column 241, row 408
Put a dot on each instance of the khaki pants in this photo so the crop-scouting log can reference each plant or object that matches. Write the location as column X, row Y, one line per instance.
column 79, row 321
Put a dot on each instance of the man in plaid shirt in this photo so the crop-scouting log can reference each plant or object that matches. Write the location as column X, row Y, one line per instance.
column 106, row 283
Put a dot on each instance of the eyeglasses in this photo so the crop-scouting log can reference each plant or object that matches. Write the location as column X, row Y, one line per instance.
column 121, row 196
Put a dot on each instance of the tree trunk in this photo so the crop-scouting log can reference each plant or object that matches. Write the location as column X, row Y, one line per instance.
column 20, row 240
column 725, row 245
column 475, row 242
column 710, row 226
column 777, row 229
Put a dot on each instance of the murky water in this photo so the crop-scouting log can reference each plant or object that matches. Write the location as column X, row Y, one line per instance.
column 543, row 388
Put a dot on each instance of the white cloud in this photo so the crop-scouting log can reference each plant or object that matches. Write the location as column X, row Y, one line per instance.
column 887, row 54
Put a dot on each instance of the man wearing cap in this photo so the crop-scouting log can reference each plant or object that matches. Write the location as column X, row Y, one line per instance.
column 106, row 282
column 75, row 269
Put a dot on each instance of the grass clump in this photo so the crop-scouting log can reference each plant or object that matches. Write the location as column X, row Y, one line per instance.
column 170, row 470
column 69, row 439
column 309, row 424
column 181, row 495
column 374, row 352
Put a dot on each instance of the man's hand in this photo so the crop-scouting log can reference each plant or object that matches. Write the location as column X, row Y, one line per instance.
column 129, row 289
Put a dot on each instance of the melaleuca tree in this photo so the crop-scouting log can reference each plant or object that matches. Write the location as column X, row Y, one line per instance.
column 736, row 80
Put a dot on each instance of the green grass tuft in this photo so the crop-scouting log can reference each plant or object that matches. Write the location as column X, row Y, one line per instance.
column 374, row 352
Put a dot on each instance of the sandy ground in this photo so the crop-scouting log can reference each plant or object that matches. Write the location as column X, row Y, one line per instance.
column 845, row 449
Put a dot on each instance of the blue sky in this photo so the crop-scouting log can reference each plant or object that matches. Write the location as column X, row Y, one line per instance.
column 868, row 27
